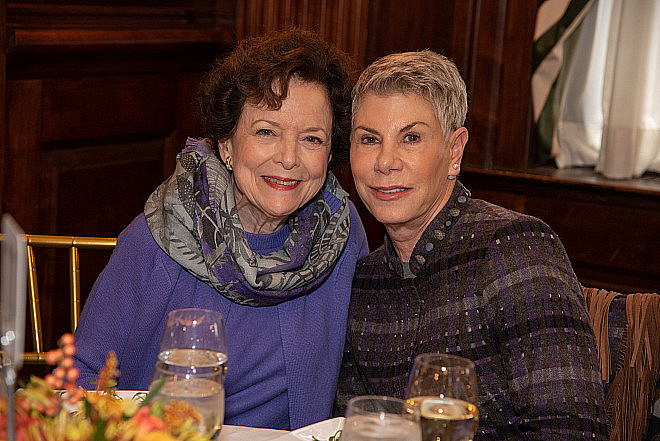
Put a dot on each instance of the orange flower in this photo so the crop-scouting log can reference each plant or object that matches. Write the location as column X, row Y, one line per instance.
column 108, row 374
column 177, row 412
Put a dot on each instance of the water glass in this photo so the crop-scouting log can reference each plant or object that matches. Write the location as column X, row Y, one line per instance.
column 192, row 363
column 375, row 417
column 444, row 389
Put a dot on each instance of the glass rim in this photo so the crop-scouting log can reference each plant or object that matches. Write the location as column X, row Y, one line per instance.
column 402, row 405
column 428, row 359
column 378, row 397
column 196, row 309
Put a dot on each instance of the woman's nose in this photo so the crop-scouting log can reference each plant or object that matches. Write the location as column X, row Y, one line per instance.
column 387, row 159
column 287, row 154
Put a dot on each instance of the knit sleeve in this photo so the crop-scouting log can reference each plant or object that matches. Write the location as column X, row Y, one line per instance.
column 114, row 302
column 536, row 309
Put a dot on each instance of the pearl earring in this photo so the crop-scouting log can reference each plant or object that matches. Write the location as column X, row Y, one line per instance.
column 455, row 166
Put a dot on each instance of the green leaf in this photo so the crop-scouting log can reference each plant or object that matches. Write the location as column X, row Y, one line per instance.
column 88, row 408
column 152, row 393
column 99, row 431
column 157, row 409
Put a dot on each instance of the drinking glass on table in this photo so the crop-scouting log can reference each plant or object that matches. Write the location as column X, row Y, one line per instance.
column 191, row 364
column 374, row 417
column 444, row 389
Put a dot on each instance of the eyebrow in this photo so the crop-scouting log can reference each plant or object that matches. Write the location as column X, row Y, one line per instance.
column 366, row 129
column 306, row 129
column 267, row 121
column 411, row 125
column 403, row 129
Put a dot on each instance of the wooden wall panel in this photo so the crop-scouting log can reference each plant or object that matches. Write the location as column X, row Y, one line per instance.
column 341, row 22
column 408, row 26
column 99, row 189
column 22, row 195
column 3, row 95
column 79, row 106
column 492, row 43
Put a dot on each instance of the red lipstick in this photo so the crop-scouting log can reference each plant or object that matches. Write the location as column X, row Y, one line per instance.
column 280, row 183
column 389, row 193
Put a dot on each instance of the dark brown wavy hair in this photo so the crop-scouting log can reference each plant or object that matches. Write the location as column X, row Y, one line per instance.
column 258, row 70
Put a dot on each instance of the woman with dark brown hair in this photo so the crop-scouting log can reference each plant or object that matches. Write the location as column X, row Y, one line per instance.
column 251, row 224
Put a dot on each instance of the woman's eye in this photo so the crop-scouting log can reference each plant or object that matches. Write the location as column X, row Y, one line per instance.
column 411, row 137
column 368, row 139
column 265, row 132
column 313, row 139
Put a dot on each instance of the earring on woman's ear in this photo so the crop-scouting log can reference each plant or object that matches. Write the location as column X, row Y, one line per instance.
column 228, row 163
column 455, row 167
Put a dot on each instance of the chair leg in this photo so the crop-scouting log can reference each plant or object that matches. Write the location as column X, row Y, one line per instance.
column 74, row 275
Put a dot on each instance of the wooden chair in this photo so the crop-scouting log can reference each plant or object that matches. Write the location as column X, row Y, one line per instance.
column 73, row 243
column 627, row 329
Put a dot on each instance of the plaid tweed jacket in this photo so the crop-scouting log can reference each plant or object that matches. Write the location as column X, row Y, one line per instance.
column 494, row 286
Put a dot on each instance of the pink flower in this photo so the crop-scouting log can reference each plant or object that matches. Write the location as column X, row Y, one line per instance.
column 145, row 422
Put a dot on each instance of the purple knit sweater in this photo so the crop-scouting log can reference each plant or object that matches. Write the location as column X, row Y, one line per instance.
column 283, row 360
column 494, row 286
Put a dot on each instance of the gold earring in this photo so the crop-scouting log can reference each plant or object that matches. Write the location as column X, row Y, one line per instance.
column 228, row 163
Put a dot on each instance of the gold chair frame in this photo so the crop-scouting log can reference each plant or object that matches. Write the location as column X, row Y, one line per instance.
column 74, row 243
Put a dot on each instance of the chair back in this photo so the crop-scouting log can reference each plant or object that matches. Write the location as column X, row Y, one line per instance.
column 73, row 243
column 627, row 330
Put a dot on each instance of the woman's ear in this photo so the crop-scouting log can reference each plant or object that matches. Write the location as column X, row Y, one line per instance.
column 225, row 149
column 457, row 143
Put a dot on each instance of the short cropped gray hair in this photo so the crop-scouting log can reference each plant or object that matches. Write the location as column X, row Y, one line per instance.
column 428, row 74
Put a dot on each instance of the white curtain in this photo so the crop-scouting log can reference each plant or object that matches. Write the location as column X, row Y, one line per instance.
column 606, row 105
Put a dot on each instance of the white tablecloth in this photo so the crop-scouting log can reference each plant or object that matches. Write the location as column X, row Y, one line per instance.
column 241, row 433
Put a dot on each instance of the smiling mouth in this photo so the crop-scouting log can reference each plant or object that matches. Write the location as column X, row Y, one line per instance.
column 390, row 190
column 391, row 193
column 291, row 182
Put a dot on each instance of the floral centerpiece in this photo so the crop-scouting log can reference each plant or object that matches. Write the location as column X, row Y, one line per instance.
column 54, row 409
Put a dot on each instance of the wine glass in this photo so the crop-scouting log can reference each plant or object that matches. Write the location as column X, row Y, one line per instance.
column 192, row 363
column 444, row 389
column 375, row 417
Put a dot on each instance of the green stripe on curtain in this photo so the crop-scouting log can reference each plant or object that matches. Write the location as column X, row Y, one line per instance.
column 544, row 44
column 545, row 128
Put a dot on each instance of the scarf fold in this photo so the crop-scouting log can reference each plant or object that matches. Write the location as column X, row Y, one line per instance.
column 193, row 218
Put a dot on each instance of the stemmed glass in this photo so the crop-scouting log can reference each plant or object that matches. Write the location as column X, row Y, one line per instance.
column 444, row 389
column 375, row 417
column 191, row 364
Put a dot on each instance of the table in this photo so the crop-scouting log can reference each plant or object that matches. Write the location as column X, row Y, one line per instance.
column 242, row 433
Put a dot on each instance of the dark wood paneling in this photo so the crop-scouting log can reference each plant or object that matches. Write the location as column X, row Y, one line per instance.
column 79, row 107
column 3, row 95
column 98, row 189
column 22, row 196
column 80, row 40
column 342, row 22
column 408, row 26
column 492, row 42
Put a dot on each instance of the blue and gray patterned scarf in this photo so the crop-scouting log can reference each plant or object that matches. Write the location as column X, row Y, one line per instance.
column 193, row 218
